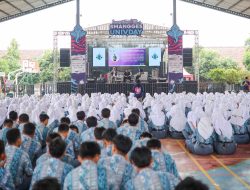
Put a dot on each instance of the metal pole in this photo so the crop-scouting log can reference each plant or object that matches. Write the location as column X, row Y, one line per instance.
column 77, row 12
column 174, row 12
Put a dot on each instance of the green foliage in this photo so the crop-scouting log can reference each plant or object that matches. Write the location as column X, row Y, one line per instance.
column 217, row 75
column 246, row 59
column 230, row 76
column 10, row 61
column 210, row 60
column 29, row 78
column 47, row 69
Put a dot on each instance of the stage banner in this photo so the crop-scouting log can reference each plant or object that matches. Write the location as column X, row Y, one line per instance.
column 78, row 57
column 175, row 55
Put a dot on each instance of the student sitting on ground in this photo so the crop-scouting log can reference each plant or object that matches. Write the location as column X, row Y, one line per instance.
column 105, row 122
column 29, row 144
column 6, row 181
column 224, row 142
column 88, row 135
column 201, row 142
column 143, row 126
column 14, row 117
column 43, row 127
column 118, row 163
column 80, row 122
column 146, row 177
column 48, row 183
column 89, row 175
column 98, row 136
column 53, row 167
column 18, row 162
column 108, row 136
column 63, row 131
column 23, row 119
column 157, row 122
column 162, row 161
column 66, row 158
column 132, row 131
column 7, row 125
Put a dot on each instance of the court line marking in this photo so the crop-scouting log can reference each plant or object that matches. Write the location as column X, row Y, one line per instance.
column 217, row 187
column 231, row 172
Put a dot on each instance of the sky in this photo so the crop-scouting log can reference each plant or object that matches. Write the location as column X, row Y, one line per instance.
column 35, row 31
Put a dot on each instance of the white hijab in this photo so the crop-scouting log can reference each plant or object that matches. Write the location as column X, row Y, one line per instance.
column 205, row 128
column 222, row 126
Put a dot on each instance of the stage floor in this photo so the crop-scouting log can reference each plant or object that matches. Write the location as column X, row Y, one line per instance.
column 218, row 172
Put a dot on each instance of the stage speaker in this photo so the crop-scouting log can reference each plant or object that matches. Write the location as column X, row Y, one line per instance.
column 90, row 80
column 187, row 57
column 64, row 57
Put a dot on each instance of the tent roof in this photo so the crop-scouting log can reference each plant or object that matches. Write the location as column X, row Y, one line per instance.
column 236, row 7
column 10, row 9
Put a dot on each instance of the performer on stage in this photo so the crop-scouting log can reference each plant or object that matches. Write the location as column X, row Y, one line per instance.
column 127, row 76
column 113, row 74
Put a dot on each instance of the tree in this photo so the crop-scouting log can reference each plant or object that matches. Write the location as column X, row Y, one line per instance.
column 210, row 60
column 233, row 76
column 246, row 58
column 11, row 61
column 46, row 67
column 217, row 75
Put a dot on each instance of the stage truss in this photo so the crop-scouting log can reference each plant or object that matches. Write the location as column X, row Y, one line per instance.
column 152, row 36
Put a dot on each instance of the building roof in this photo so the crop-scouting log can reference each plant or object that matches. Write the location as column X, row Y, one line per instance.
column 10, row 9
column 235, row 7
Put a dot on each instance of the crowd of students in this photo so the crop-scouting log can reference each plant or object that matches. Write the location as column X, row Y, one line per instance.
column 111, row 141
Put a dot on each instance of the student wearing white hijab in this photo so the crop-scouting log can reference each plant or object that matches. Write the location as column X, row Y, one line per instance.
column 224, row 140
column 177, row 123
column 240, row 121
column 157, row 123
column 202, row 139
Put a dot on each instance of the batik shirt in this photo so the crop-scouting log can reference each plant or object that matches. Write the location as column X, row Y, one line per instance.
column 18, row 164
column 118, row 165
column 3, row 133
column 163, row 162
column 74, row 137
column 88, row 135
column 38, row 136
column 132, row 132
column 89, row 176
column 106, row 123
column 66, row 158
column 143, row 126
column 53, row 168
column 81, row 126
column 106, row 151
column 70, row 148
column 31, row 147
column 43, row 131
column 148, row 179
column 6, row 182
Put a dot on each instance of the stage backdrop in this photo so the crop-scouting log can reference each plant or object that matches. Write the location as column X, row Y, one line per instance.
column 175, row 54
column 78, row 57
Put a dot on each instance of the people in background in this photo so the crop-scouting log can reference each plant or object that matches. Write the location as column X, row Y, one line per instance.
column 126, row 76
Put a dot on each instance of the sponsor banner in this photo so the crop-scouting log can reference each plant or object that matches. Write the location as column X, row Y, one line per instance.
column 175, row 55
column 78, row 57
column 126, row 27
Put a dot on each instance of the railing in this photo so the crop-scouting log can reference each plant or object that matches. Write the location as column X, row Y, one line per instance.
column 126, row 88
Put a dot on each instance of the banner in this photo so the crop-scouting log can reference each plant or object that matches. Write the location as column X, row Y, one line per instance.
column 99, row 57
column 175, row 55
column 154, row 57
column 78, row 57
column 126, row 27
